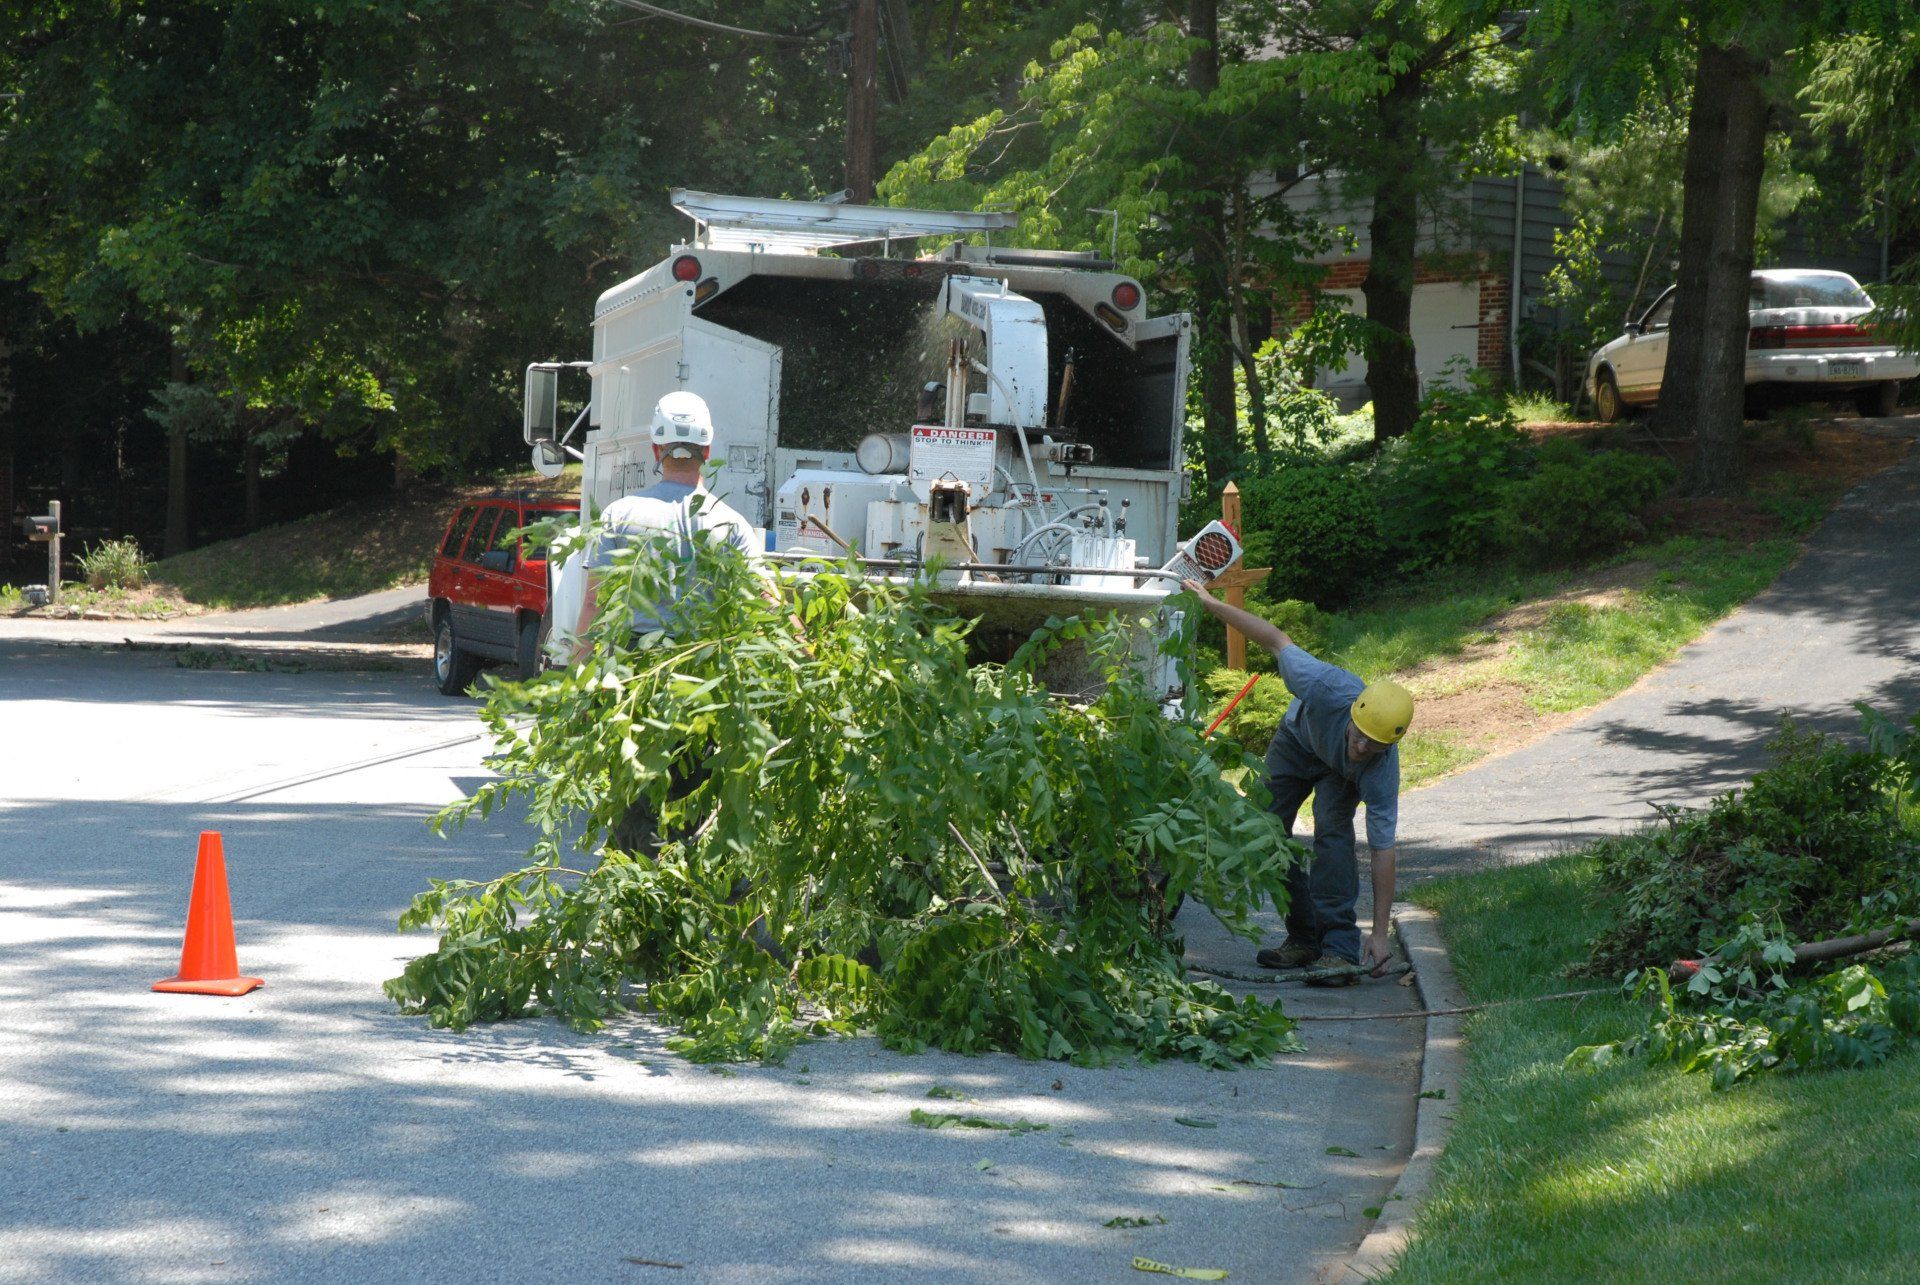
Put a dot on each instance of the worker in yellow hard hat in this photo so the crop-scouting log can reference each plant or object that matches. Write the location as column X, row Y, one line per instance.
column 1339, row 742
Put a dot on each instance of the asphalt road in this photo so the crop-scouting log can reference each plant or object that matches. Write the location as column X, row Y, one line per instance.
column 307, row 1131
column 1841, row 625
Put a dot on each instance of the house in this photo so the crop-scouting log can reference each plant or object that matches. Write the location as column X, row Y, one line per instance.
column 1473, row 265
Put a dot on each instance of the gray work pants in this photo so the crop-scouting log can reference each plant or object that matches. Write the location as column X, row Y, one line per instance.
column 1322, row 897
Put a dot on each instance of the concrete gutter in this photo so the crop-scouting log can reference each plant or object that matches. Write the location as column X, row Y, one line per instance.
column 1441, row 1067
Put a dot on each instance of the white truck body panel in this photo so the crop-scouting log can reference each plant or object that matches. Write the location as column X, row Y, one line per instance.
column 840, row 347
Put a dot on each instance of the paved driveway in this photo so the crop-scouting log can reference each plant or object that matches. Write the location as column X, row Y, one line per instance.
column 1841, row 625
column 308, row 1132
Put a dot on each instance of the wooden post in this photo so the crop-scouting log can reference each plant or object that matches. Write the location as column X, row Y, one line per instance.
column 1236, row 595
column 53, row 555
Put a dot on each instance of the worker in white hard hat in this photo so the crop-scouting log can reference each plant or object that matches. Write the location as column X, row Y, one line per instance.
column 672, row 514
column 1339, row 742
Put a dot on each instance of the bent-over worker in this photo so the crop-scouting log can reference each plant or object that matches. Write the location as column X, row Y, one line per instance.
column 673, row 514
column 1339, row 741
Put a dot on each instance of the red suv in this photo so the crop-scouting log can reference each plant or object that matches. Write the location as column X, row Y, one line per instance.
column 487, row 600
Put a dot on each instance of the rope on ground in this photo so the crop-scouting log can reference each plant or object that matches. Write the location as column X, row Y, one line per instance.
column 1453, row 1012
column 1391, row 970
column 1303, row 975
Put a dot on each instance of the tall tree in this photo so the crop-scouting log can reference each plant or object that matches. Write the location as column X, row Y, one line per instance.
column 1404, row 94
column 1866, row 90
column 367, row 215
column 1746, row 61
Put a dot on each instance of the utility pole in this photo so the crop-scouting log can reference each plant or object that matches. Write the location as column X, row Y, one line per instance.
column 861, row 105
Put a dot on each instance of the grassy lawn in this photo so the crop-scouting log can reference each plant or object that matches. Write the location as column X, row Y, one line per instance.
column 119, row 604
column 356, row 549
column 1637, row 1173
column 1468, row 643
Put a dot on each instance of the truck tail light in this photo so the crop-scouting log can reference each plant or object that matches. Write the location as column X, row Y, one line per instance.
column 686, row 268
column 1126, row 296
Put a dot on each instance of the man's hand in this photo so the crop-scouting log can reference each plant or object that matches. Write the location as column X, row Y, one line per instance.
column 1199, row 590
column 1377, row 955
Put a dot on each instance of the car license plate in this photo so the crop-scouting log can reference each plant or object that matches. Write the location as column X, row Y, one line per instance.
column 1841, row 369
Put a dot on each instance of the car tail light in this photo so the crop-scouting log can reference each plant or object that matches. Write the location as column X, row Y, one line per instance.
column 1126, row 296
column 1839, row 334
column 686, row 268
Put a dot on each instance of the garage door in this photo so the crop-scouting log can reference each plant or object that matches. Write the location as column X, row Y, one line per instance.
column 1446, row 328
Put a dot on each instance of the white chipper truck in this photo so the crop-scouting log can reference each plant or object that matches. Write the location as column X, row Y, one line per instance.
column 1014, row 414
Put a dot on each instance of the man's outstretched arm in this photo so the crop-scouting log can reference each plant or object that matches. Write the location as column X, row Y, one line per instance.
column 1263, row 632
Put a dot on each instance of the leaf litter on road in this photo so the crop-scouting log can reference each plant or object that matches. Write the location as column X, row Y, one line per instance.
column 945, row 1119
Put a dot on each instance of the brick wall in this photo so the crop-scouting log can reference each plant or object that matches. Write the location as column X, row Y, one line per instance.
column 1491, row 347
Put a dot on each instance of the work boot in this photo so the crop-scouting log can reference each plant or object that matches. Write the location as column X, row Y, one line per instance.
column 1338, row 979
column 1288, row 954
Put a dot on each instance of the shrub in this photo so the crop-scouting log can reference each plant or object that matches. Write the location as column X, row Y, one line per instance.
column 1318, row 527
column 1251, row 724
column 115, row 564
column 1819, row 845
column 1305, row 623
column 1579, row 503
column 1809, row 840
column 1444, row 483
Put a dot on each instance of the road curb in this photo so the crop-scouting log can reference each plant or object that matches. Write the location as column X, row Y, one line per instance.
column 230, row 652
column 1442, row 1062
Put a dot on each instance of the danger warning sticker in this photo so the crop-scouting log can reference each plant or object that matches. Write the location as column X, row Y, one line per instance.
column 952, row 454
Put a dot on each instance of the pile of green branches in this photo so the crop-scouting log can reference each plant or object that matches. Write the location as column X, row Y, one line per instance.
column 1822, row 845
column 881, row 839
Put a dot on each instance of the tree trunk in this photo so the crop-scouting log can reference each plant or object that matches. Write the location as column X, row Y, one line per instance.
column 860, row 101
column 1719, row 462
column 1679, row 409
column 179, row 535
column 1212, row 310
column 1243, row 339
column 1703, row 388
column 1393, row 379
column 250, row 469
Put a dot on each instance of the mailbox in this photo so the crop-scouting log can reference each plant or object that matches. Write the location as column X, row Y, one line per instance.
column 41, row 527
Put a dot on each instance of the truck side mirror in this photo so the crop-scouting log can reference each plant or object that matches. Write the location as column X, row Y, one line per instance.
column 541, row 415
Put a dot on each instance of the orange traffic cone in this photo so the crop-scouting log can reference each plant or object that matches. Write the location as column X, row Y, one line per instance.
column 207, row 962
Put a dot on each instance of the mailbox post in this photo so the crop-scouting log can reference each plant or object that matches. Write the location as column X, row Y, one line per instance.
column 44, row 528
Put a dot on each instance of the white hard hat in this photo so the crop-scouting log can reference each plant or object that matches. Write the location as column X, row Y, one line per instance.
column 682, row 419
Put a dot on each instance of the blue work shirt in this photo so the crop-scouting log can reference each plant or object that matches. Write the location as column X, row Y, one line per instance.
column 665, row 514
column 1323, row 697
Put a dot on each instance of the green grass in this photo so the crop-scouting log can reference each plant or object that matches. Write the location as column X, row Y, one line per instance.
column 75, row 597
column 1585, row 654
column 1635, row 1172
column 1579, row 656
column 1538, row 408
column 355, row 549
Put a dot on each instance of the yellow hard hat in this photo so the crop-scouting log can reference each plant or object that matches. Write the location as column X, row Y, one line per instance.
column 1383, row 711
